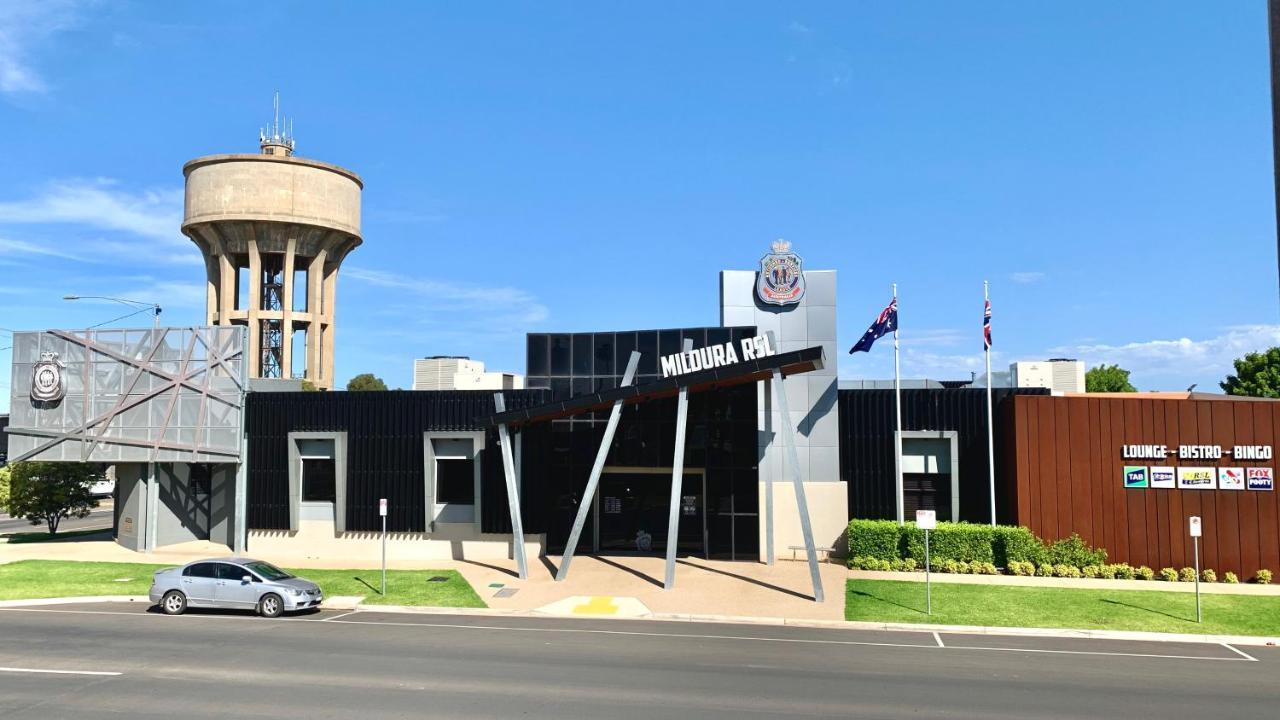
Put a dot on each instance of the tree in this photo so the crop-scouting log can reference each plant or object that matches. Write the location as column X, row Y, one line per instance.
column 48, row 492
column 1108, row 378
column 366, row 381
column 1257, row 375
column 4, row 488
column 308, row 386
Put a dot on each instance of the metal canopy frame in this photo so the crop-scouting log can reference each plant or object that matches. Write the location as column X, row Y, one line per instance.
column 513, row 492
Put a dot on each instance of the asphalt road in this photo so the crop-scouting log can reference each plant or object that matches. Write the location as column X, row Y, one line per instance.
column 384, row 665
column 99, row 518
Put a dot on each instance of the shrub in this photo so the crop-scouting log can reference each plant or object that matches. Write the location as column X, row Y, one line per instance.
column 1124, row 571
column 1230, row 578
column 1262, row 577
column 948, row 566
column 1076, row 552
column 1017, row 567
column 1146, row 573
column 962, row 567
column 875, row 539
column 1066, row 571
column 1107, row 572
column 1090, row 571
column 1208, row 575
column 1187, row 575
column 951, row 541
column 1168, row 574
column 908, row 565
column 1011, row 543
column 1045, row 570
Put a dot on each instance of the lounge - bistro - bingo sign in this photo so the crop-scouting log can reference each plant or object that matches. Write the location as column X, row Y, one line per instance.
column 1198, row 476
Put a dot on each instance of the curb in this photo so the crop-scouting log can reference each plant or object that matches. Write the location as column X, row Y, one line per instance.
column 1131, row 635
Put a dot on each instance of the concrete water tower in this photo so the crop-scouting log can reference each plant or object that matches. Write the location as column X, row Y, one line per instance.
column 274, row 229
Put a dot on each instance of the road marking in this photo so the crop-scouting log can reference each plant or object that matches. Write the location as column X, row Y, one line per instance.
column 335, row 617
column 1240, row 652
column 57, row 672
column 938, row 637
column 692, row 636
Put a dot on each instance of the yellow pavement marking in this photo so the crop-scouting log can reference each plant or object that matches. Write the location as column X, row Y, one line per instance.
column 598, row 605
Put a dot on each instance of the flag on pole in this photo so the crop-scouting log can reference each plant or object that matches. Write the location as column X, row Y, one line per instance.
column 986, row 326
column 884, row 324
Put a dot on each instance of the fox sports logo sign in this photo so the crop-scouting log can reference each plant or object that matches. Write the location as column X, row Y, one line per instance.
column 781, row 279
column 47, row 383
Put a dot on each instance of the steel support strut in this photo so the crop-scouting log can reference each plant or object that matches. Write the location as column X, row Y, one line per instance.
column 793, row 458
column 513, row 493
column 677, row 480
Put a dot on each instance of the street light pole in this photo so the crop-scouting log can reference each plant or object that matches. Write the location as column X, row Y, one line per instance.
column 154, row 307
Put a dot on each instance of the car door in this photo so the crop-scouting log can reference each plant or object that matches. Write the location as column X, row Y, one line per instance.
column 232, row 591
column 199, row 583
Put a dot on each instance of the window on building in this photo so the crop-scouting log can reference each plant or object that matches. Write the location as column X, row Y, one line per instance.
column 317, row 480
column 455, row 480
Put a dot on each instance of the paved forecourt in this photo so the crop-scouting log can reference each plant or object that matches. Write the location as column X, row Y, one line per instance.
column 382, row 664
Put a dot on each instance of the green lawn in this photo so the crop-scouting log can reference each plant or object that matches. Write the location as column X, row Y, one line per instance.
column 38, row 536
column 1015, row 606
column 59, row 578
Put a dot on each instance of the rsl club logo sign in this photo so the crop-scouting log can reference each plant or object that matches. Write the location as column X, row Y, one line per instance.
column 781, row 279
column 47, row 383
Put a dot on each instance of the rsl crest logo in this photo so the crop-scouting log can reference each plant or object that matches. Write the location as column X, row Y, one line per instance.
column 47, row 383
column 781, row 279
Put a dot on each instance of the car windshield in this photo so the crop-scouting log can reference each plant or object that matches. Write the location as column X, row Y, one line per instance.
column 269, row 572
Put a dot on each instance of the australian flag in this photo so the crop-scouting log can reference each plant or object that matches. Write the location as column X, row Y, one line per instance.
column 986, row 326
column 885, row 324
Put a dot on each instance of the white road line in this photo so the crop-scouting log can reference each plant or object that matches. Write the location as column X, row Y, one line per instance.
column 1240, row 652
column 938, row 637
column 693, row 636
column 335, row 617
column 57, row 672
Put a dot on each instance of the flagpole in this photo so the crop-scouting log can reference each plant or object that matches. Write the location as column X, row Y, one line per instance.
column 897, row 403
column 991, row 431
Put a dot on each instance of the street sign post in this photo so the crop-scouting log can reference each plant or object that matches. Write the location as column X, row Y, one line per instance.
column 382, row 510
column 1194, row 527
column 927, row 520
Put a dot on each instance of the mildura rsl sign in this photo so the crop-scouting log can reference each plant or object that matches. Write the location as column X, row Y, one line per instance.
column 714, row 356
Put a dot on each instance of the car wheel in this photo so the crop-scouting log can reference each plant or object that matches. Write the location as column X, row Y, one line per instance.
column 270, row 606
column 173, row 603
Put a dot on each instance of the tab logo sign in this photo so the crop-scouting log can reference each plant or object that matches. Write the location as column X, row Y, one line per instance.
column 1197, row 478
column 1135, row 476
column 1163, row 477
column 1230, row 478
column 1261, row 479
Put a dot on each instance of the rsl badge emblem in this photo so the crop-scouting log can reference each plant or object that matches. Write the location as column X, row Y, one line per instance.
column 781, row 278
column 47, row 383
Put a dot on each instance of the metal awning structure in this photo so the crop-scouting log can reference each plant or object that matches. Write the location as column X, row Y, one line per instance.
column 748, row 371
column 768, row 368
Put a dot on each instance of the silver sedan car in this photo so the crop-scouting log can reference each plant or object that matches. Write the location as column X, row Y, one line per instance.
column 233, row 583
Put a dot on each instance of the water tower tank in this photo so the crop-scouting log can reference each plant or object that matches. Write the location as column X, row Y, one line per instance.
column 274, row 229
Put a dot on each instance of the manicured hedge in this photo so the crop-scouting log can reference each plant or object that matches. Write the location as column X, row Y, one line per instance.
column 966, row 543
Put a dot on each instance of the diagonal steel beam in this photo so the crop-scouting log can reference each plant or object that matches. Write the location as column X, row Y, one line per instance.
column 788, row 439
column 589, row 494
column 513, row 492
column 677, row 480
column 185, row 382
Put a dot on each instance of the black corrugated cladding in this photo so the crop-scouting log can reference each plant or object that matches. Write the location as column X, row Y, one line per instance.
column 384, row 452
column 866, row 444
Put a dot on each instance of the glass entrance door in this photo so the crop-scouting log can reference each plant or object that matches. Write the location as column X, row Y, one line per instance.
column 632, row 510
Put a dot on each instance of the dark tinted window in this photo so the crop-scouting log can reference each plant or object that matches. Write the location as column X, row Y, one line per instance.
column 455, row 481
column 560, row 353
column 647, row 344
column 583, row 354
column 626, row 343
column 668, row 342
column 604, row 354
column 227, row 571
column 202, row 570
column 317, row 480
column 536, row 359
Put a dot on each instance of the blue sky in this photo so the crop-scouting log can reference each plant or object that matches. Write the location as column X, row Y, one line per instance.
column 583, row 166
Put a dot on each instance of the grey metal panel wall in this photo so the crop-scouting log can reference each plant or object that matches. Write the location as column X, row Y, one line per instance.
column 384, row 447
column 866, row 445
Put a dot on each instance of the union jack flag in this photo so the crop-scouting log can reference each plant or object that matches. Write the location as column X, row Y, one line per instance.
column 885, row 323
column 986, row 326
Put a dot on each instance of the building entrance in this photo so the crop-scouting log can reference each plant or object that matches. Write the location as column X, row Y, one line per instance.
column 632, row 508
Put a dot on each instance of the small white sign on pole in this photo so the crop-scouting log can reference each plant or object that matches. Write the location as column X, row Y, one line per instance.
column 382, row 511
column 382, row 507
column 927, row 519
column 1194, row 523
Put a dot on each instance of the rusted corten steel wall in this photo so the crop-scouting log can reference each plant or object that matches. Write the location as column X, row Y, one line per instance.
column 1068, row 465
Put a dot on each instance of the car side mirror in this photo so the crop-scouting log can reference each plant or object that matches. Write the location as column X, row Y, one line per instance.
column 246, row 579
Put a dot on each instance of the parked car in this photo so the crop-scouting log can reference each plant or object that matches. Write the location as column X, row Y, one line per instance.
column 103, row 488
column 233, row 583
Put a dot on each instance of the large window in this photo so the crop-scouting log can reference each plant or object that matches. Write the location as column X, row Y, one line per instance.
column 317, row 480
column 455, row 480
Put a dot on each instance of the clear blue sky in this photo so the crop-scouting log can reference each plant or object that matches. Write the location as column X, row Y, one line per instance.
column 572, row 167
